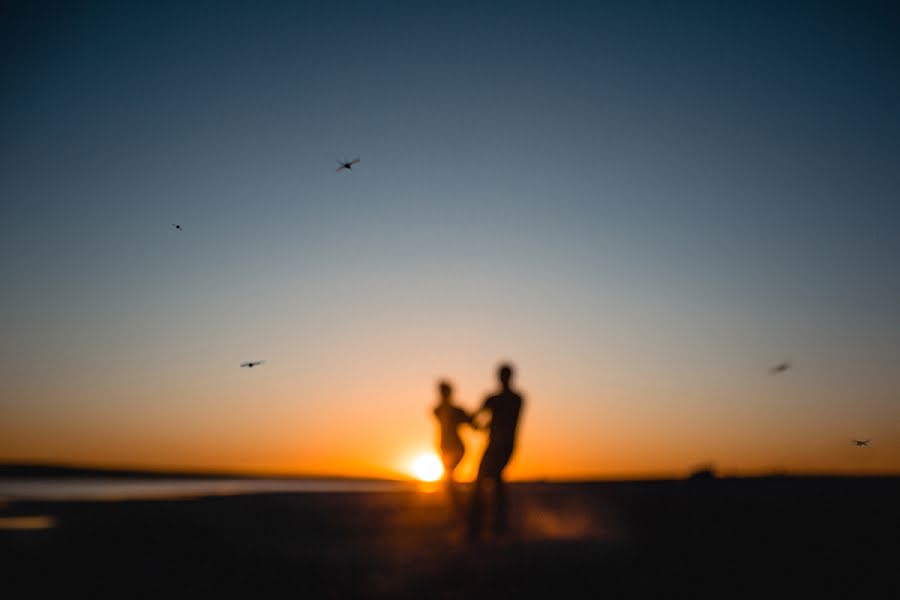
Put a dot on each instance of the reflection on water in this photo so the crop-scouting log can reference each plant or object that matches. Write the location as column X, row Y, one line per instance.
column 429, row 487
column 99, row 489
column 35, row 522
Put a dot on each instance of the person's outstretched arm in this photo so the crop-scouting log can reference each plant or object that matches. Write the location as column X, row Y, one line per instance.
column 478, row 419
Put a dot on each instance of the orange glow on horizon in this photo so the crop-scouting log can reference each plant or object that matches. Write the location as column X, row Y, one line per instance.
column 376, row 418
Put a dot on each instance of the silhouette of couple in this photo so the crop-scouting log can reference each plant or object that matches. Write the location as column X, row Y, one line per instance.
column 504, row 409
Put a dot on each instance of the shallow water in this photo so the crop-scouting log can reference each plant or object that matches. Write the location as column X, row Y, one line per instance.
column 27, row 523
column 100, row 489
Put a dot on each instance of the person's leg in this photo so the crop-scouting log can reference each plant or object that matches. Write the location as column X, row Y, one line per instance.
column 500, row 524
column 499, row 511
column 450, row 489
column 450, row 464
column 476, row 507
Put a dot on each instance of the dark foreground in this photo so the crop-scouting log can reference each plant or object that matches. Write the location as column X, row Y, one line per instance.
column 782, row 538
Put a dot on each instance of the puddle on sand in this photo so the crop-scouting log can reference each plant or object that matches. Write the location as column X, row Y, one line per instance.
column 27, row 523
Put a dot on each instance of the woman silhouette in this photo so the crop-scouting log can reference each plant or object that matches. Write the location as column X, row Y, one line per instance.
column 450, row 417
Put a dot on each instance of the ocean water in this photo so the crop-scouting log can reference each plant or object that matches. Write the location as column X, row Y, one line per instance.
column 100, row 489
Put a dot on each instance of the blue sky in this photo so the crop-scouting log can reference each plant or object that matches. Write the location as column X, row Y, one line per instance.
column 655, row 201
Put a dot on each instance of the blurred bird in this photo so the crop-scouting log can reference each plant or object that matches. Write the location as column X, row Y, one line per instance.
column 780, row 368
column 861, row 443
column 346, row 164
column 252, row 364
column 177, row 226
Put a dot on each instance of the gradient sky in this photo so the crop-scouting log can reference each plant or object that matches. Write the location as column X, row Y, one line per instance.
column 643, row 206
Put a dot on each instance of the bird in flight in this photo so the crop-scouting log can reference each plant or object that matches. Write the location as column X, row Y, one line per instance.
column 346, row 164
column 253, row 363
column 861, row 443
column 780, row 368
column 177, row 227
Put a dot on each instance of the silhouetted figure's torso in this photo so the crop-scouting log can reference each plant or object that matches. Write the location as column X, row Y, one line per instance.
column 505, row 408
column 450, row 418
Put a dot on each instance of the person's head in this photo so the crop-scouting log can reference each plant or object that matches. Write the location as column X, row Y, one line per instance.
column 445, row 389
column 505, row 373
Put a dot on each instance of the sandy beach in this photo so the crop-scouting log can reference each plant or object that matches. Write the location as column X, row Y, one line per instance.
column 780, row 537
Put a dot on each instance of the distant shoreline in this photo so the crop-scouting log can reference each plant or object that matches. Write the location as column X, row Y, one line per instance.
column 61, row 471
column 43, row 471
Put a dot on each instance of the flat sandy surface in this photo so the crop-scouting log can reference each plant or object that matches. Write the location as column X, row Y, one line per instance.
column 782, row 538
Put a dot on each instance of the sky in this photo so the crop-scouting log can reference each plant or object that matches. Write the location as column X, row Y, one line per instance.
column 642, row 206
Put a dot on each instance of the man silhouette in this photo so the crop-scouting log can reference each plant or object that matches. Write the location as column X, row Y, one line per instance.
column 504, row 408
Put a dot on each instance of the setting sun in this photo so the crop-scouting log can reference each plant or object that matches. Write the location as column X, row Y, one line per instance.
column 427, row 467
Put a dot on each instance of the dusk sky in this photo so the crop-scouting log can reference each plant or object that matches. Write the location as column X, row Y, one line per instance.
column 642, row 206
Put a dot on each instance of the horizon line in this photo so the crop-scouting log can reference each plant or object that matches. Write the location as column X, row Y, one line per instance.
column 91, row 468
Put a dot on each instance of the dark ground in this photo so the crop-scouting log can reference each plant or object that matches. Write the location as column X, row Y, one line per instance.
column 751, row 538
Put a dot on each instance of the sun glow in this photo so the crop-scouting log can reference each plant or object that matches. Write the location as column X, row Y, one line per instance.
column 427, row 467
